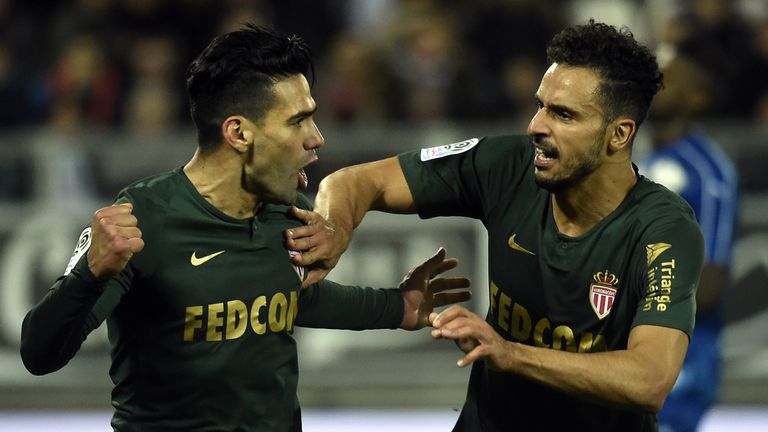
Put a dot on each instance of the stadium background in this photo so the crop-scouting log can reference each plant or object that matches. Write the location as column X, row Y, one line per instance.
column 92, row 98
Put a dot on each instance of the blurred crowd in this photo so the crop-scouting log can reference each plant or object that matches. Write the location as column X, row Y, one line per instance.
column 121, row 63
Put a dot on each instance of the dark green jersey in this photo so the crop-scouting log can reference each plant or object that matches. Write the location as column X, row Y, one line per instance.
column 200, row 321
column 639, row 265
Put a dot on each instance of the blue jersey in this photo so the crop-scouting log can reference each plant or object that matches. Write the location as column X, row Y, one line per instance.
column 697, row 169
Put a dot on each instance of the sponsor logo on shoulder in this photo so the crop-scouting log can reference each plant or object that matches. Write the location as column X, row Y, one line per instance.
column 447, row 150
column 83, row 243
column 652, row 251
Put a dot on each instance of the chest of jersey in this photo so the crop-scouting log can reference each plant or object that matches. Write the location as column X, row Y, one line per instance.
column 547, row 289
column 215, row 280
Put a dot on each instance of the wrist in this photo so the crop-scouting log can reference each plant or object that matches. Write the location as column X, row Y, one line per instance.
column 409, row 319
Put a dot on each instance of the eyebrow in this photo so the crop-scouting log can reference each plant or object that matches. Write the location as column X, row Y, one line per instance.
column 555, row 107
column 302, row 114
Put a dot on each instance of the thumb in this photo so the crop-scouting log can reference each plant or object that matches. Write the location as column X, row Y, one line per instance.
column 303, row 215
column 314, row 276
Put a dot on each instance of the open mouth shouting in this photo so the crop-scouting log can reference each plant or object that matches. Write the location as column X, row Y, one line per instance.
column 545, row 156
column 302, row 175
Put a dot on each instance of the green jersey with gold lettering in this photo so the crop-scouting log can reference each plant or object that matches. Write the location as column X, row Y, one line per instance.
column 200, row 322
column 639, row 265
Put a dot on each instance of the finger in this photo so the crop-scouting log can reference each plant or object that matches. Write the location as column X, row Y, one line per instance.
column 114, row 210
column 303, row 231
column 113, row 224
column 445, row 265
column 301, row 244
column 443, row 299
column 471, row 357
column 434, row 260
column 128, row 232
column 135, row 245
column 427, row 268
column 449, row 314
column 314, row 276
column 121, row 220
column 306, row 216
column 443, row 284
column 304, row 259
column 455, row 330
column 432, row 317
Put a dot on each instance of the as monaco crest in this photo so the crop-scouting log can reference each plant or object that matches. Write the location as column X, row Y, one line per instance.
column 602, row 293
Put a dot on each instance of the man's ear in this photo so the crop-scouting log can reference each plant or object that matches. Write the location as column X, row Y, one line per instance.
column 624, row 130
column 236, row 134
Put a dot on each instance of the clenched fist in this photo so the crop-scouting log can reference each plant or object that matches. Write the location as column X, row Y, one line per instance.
column 115, row 238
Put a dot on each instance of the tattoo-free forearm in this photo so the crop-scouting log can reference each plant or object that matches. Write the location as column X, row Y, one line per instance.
column 638, row 378
column 346, row 195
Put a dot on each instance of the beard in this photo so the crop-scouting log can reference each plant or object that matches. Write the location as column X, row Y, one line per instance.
column 574, row 170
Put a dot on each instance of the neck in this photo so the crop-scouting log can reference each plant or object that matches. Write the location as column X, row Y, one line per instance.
column 218, row 179
column 577, row 209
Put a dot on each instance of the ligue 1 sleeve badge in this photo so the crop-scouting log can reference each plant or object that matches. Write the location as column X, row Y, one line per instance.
column 83, row 243
column 602, row 293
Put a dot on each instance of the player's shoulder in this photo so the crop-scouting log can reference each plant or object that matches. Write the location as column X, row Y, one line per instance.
column 494, row 144
column 152, row 195
column 158, row 185
column 657, row 206
column 652, row 196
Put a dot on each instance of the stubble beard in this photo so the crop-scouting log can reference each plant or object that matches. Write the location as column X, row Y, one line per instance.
column 580, row 166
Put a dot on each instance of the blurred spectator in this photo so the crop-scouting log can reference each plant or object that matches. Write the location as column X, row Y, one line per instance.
column 17, row 92
column 498, row 30
column 690, row 163
column 304, row 18
column 98, row 18
column 633, row 14
column 351, row 89
column 84, row 87
column 237, row 12
column 154, row 99
column 506, row 39
column 716, row 35
column 520, row 77
column 425, row 60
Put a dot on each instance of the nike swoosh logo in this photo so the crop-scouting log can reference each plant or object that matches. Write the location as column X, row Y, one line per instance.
column 513, row 244
column 195, row 261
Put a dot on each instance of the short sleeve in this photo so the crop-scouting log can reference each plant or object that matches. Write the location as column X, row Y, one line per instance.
column 674, row 256
column 465, row 178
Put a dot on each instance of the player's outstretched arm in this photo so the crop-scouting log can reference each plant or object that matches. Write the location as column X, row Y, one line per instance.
column 342, row 200
column 638, row 378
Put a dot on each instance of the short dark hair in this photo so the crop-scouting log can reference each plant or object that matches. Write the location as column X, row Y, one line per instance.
column 235, row 75
column 629, row 73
